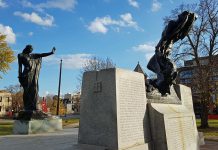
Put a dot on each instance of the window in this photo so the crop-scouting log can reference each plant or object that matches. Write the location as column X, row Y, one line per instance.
column 215, row 78
column 0, row 108
column 0, row 99
column 186, row 74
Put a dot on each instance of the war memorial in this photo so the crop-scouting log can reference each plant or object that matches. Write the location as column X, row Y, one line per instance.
column 119, row 109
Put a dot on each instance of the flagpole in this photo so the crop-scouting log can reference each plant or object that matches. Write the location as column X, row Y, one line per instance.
column 59, row 87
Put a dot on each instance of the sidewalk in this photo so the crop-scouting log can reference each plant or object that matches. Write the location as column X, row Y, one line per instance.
column 6, row 120
column 210, row 145
column 61, row 140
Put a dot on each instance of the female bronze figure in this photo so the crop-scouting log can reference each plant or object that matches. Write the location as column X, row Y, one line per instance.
column 28, row 76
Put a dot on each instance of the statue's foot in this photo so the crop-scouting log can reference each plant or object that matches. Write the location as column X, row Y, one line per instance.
column 32, row 114
column 154, row 94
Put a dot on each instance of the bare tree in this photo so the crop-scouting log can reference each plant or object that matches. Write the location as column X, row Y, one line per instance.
column 94, row 64
column 17, row 96
column 201, row 42
column 13, row 88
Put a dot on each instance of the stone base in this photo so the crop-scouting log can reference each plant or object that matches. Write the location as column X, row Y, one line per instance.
column 201, row 138
column 37, row 126
column 155, row 97
column 33, row 115
column 173, row 127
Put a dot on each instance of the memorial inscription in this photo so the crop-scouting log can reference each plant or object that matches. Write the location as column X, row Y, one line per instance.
column 181, row 129
column 131, row 108
column 113, row 104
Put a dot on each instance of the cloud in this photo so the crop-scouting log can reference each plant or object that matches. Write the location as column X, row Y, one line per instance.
column 70, row 61
column 156, row 6
column 57, row 4
column 133, row 3
column 101, row 24
column 48, row 20
column 30, row 33
column 147, row 48
column 128, row 21
column 3, row 4
column 8, row 31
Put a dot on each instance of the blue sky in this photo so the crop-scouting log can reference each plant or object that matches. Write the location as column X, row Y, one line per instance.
column 124, row 30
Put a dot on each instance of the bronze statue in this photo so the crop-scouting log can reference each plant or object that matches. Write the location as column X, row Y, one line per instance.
column 160, row 63
column 28, row 77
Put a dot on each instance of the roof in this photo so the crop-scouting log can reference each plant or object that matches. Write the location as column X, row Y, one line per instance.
column 3, row 91
column 190, row 62
column 139, row 69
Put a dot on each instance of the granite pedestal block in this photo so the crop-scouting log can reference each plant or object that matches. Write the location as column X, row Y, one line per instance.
column 173, row 126
column 37, row 126
column 113, row 106
column 117, row 115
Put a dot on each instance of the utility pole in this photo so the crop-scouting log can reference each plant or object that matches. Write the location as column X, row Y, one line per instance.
column 59, row 88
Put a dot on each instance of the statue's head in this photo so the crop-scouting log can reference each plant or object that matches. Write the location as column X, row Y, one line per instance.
column 183, row 14
column 28, row 49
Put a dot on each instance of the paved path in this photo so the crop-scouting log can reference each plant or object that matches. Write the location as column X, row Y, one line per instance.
column 61, row 140
column 210, row 145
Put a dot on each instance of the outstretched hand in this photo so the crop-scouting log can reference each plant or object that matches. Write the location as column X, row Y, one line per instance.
column 53, row 50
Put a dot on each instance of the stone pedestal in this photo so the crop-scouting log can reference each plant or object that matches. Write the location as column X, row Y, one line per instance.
column 173, row 126
column 37, row 126
column 113, row 106
column 116, row 115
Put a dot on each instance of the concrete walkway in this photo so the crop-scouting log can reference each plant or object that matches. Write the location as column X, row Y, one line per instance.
column 61, row 140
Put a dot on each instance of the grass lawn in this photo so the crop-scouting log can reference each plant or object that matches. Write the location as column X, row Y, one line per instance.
column 212, row 131
column 66, row 122
column 6, row 128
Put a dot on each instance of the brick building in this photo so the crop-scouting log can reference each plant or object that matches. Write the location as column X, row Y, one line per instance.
column 5, row 102
column 185, row 77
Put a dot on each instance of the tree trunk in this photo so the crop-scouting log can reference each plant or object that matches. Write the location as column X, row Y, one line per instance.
column 204, row 116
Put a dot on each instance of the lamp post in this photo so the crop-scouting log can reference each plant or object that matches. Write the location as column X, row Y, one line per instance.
column 59, row 87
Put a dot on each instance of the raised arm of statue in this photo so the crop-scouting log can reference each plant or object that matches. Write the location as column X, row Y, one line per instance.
column 45, row 54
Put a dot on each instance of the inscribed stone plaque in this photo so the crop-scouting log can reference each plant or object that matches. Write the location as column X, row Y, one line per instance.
column 180, row 133
column 112, row 109
column 131, row 104
column 173, row 126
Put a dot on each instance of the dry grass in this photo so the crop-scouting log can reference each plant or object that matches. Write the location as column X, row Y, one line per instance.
column 66, row 122
column 6, row 128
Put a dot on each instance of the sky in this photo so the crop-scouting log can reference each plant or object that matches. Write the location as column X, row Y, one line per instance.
column 126, row 31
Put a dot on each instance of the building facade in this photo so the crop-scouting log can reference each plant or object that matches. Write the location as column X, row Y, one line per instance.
column 72, row 101
column 186, row 76
column 5, row 103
